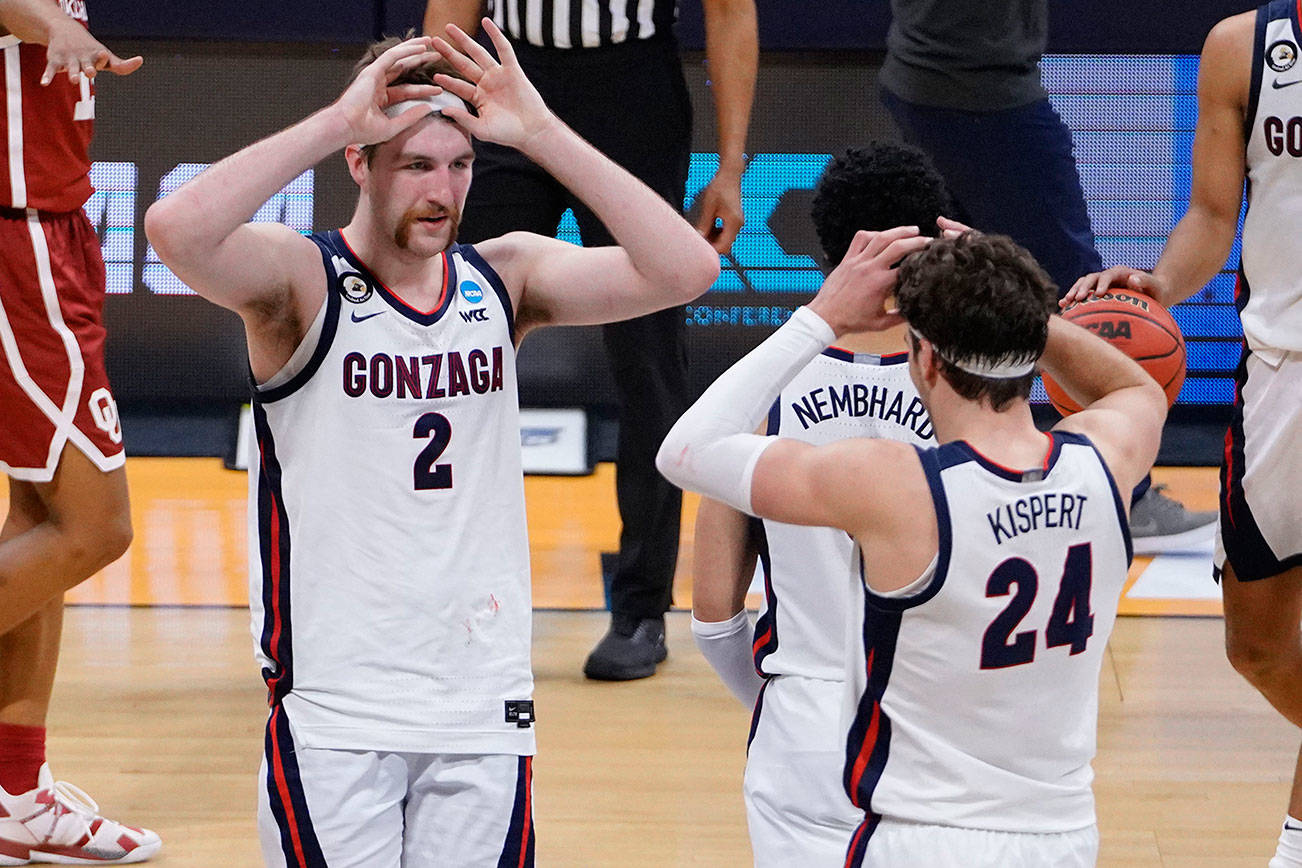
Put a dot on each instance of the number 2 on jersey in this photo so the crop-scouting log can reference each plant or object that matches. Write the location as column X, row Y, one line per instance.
column 1071, row 622
column 426, row 474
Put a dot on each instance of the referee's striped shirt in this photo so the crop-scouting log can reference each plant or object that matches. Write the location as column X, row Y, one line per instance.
column 582, row 23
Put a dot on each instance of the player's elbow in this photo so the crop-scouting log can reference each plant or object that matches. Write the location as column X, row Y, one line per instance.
column 695, row 273
column 1149, row 416
column 163, row 228
column 673, row 460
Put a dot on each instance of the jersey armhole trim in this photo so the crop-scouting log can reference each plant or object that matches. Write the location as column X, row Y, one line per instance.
column 323, row 343
column 1122, row 519
column 944, row 543
column 1258, row 59
column 473, row 257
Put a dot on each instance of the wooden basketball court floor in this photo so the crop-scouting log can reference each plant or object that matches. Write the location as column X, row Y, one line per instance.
column 158, row 710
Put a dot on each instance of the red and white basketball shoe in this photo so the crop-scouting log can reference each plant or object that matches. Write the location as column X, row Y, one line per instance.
column 57, row 822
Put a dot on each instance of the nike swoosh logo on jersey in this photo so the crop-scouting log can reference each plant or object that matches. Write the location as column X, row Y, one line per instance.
column 1277, row 84
column 357, row 318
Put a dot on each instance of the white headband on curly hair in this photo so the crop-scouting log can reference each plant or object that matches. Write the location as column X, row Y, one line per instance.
column 1006, row 367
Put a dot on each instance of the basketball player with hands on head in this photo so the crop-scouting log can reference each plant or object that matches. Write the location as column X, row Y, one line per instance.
column 60, row 438
column 992, row 563
column 391, row 565
column 797, row 809
column 1248, row 117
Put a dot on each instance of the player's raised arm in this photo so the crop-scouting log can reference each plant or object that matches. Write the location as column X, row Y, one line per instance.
column 1124, row 408
column 1201, row 241
column 660, row 261
column 710, row 449
column 202, row 231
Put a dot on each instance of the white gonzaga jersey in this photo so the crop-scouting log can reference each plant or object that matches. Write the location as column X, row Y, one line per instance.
column 810, row 573
column 978, row 700
column 1269, row 289
column 390, row 560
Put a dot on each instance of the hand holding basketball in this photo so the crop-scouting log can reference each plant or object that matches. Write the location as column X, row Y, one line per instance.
column 1118, row 276
column 1138, row 326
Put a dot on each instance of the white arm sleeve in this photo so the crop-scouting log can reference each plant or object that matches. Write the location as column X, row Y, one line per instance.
column 726, row 645
column 710, row 449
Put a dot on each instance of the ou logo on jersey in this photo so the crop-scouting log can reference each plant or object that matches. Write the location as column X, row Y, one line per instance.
column 104, row 410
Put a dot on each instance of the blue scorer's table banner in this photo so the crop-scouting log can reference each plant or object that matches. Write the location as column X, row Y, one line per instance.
column 1132, row 118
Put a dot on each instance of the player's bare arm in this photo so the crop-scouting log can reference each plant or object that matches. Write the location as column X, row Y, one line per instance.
column 69, row 47
column 723, row 561
column 732, row 51
column 722, row 566
column 1123, row 407
column 267, row 272
column 440, row 13
column 660, row 261
column 786, row 480
column 1200, row 243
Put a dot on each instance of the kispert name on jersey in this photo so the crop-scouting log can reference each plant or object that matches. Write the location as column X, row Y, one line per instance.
column 1269, row 287
column 978, row 693
column 390, row 586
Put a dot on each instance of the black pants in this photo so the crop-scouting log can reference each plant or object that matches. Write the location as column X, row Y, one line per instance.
column 631, row 102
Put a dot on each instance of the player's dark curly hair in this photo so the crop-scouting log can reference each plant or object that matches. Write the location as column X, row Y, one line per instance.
column 423, row 74
column 876, row 187
column 980, row 298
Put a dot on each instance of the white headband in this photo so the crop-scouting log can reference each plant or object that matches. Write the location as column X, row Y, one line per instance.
column 436, row 104
column 1003, row 368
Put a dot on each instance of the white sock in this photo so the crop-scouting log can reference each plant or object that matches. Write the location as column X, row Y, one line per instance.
column 1288, row 854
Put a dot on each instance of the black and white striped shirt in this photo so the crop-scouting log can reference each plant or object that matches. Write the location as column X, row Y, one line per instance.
column 582, row 23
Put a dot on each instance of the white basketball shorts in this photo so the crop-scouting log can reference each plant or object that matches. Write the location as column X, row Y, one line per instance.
column 895, row 844
column 1261, row 474
column 319, row 807
column 796, row 806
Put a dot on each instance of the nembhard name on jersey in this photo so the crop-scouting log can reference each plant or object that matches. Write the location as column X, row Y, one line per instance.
column 860, row 399
column 1036, row 512
column 442, row 375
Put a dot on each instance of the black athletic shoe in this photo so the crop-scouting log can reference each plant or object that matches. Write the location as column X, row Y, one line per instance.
column 630, row 649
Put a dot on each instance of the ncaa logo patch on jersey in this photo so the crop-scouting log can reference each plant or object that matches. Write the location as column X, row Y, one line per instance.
column 355, row 288
column 471, row 291
column 1281, row 55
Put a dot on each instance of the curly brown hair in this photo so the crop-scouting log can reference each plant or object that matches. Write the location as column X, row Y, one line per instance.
column 978, row 297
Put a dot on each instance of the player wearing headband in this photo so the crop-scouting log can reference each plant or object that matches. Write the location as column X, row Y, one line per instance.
column 992, row 563
column 390, row 564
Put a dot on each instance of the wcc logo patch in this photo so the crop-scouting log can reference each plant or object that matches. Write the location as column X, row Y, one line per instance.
column 1281, row 55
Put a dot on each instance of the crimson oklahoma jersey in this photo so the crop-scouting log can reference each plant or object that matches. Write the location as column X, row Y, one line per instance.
column 44, row 130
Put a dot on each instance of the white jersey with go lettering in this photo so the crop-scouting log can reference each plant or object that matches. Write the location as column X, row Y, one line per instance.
column 809, row 573
column 979, row 692
column 1269, row 289
column 390, row 564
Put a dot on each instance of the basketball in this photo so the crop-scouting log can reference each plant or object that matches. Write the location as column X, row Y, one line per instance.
column 1138, row 326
